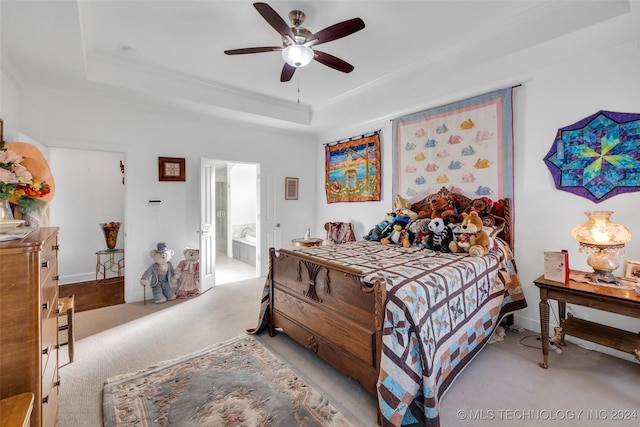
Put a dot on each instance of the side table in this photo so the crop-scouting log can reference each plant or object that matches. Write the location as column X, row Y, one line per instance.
column 313, row 241
column 106, row 261
column 599, row 297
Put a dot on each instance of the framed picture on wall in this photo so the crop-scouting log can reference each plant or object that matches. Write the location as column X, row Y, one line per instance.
column 631, row 270
column 1, row 130
column 171, row 169
column 291, row 188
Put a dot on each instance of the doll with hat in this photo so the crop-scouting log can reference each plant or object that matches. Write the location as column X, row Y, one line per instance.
column 160, row 274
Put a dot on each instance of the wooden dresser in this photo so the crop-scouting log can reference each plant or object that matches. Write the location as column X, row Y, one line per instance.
column 29, row 322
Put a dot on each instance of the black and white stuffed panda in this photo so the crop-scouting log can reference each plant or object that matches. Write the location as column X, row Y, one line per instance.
column 440, row 237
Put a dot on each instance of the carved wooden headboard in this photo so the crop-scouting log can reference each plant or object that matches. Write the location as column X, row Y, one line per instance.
column 500, row 216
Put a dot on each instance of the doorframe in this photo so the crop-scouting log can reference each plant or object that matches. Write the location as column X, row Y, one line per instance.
column 227, row 249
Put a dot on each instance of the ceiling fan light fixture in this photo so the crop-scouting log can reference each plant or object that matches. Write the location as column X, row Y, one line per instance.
column 297, row 55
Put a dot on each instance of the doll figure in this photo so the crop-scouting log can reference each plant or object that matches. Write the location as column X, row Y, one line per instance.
column 187, row 273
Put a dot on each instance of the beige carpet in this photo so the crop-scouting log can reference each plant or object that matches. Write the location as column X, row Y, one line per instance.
column 503, row 386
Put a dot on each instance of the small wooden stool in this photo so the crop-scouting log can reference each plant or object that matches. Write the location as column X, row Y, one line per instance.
column 67, row 311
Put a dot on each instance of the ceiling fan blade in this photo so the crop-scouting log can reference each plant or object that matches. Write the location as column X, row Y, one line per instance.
column 275, row 20
column 333, row 62
column 252, row 50
column 336, row 31
column 287, row 72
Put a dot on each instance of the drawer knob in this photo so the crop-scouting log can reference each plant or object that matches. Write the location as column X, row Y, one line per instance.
column 45, row 306
column 45, row 264
column 45, row 399
column 45, row 351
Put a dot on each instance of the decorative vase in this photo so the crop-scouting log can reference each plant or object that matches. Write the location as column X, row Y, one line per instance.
column 6, row 214
column 110, row 230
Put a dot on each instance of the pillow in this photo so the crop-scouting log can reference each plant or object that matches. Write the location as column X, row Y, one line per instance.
column 493, row 230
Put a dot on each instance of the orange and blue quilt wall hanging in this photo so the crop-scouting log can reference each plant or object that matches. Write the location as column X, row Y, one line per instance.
column 352, row 169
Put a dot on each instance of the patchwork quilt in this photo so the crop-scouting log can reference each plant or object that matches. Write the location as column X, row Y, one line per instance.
column 441, row 310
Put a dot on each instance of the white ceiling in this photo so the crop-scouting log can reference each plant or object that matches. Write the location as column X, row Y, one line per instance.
column 171, row 51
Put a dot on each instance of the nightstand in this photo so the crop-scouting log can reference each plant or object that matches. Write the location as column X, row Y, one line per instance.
column 606, row 298
column 313, row 241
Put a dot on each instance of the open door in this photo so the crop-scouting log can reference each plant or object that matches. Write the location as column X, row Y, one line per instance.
column 207, row 224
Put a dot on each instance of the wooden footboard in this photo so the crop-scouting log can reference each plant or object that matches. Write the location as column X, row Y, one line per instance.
column 328, row 308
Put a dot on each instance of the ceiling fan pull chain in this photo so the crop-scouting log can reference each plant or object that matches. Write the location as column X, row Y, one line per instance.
column 298, row 91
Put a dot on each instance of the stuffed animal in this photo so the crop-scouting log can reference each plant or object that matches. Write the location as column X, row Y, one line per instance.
column 382, row 229
column 473, row 239
column 403, row 207
column 395, row 235
column 160, row 274
column 420, row 231
column 187, row 273
column 440, row 237
column 484, row 205
column 441, row 207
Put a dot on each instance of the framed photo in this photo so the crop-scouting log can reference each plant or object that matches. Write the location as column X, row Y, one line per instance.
column 631, row 270
column 291, row 188
column 1, row 130
column 171, row 169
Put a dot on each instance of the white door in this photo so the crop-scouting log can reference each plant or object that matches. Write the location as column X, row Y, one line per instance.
column 273, row 234
column 207, row 224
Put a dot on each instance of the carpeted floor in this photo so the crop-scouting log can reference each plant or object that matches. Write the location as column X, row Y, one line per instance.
column 502, row 386
column 237, row 382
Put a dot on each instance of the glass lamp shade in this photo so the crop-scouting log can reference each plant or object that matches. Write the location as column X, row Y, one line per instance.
column 297, row 55
column 604, row 240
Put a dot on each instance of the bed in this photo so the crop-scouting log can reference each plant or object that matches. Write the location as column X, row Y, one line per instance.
column 402, row 321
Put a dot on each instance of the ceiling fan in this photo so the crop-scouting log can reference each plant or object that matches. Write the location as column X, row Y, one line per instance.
column 298, row 42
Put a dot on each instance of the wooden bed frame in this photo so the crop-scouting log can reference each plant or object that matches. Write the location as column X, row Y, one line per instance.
column 329, row 309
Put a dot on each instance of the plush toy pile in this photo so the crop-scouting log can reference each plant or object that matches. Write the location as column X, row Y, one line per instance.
column 443, row 223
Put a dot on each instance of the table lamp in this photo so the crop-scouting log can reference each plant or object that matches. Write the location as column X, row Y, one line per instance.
column 604, row 240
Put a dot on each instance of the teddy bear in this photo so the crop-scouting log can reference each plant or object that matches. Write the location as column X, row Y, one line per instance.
column 441, row 207
column 484, row 205
column 440, row 237
column 473, row 239
column 160, row 274
column 187, row 273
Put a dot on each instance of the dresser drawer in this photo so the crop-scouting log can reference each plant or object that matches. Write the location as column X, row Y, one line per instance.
column 50, row 408
column 49, row 263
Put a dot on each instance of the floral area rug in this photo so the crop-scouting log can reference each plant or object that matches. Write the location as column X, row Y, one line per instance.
column 235, row 383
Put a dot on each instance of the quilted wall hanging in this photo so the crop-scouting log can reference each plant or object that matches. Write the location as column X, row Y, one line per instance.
column 352, row 169
column 597, row 157
column 466, row 146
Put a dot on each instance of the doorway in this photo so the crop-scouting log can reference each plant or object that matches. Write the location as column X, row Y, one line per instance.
column 237, row 248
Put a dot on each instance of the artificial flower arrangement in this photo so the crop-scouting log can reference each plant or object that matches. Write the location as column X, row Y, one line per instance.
column 24, row 176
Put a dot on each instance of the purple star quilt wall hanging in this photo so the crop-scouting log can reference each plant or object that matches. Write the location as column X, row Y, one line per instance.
column 597, row 157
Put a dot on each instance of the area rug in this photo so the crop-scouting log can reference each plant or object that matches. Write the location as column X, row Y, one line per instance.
column 235, row 383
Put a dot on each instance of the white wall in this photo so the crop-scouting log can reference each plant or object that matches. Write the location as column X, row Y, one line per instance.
column 92, row 182
column 555, row 92
column 242, row 201
column 143, row 134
